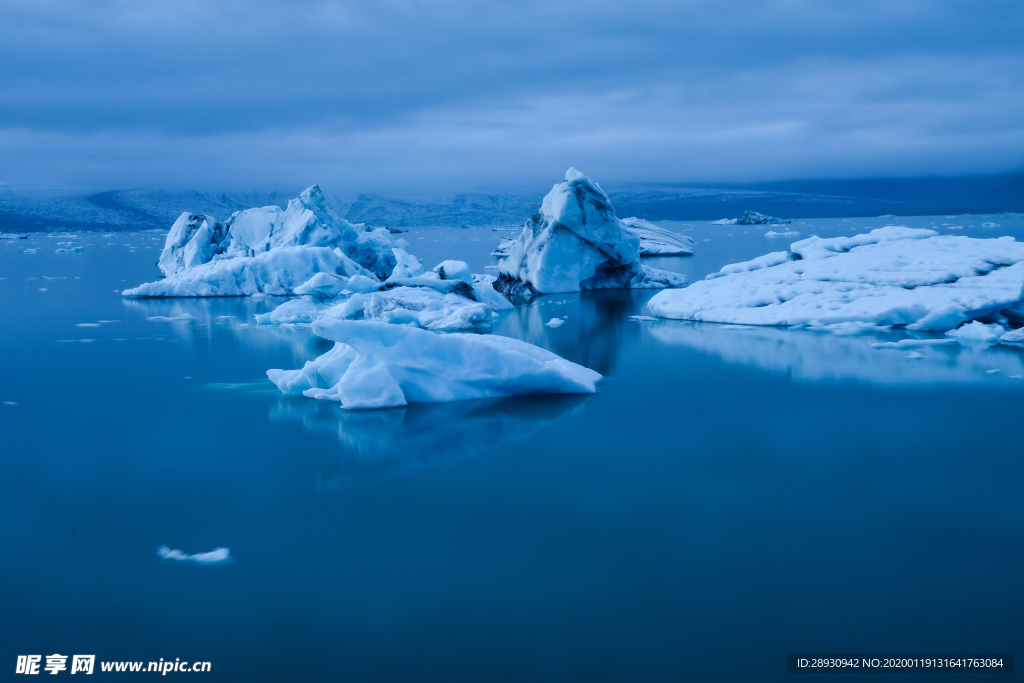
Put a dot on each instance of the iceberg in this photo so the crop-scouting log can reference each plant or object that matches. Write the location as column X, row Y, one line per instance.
column 892, row 276
column 755, row 218
column 376, row 365
column 575, row 242
column 654, row 240
column 266, row 250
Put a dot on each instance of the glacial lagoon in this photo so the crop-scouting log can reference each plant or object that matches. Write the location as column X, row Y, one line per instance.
column 729, row 495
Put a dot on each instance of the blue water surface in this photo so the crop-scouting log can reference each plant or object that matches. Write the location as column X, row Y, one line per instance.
column 728, row 496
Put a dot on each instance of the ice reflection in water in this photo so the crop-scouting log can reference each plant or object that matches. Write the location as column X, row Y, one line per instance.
column 195, row 320
column 593, row 335
column 380, row 443
column 811, row 356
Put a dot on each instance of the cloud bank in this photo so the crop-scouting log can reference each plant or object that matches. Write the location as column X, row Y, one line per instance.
column 417, row 96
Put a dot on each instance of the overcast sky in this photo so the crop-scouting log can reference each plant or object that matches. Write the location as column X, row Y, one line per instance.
column 406, row 96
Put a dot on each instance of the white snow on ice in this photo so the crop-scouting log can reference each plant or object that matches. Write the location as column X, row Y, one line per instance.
column 891, row 276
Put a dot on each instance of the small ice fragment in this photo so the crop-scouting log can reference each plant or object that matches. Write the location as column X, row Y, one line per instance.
column 989, row 225
column 555, row 322
column 10, row 403
column 788, row 233
column 42, row 289
column 641, row 318
column 975, row 331
column 215, row 556
column 993, row 371
column 170, row 318
column 87, row 324
column 915, row 355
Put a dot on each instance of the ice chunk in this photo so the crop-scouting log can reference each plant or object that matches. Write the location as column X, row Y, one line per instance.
column 725, row 221
column 788, row 233
column 277, row 272
column 977, row 332
column 755, row 218
column 374, row 365
column 1013, row 337
column 427, row 308
column 652, row 278
column 555, row 322
column 406, row 266
column 215, row 556
column 324, row 286
column 503, row 247
column 362, row 285
column 657, row 241
column 890, row 276
column 574, row 242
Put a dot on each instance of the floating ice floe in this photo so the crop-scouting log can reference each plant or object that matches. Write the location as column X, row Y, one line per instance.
column 555, row 322
column 449, row 297
column 215, row 556
column 576, row 242
column 788, row 233
column 375, row 365
column 655, row 240
column 892, row 276
column 267, row 250
column 725, row 221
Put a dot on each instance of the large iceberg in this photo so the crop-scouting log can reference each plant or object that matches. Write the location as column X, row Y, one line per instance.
column 657, row 241
column 576, row 242
column 266, row 250
column 375, row 365
column 892, row 276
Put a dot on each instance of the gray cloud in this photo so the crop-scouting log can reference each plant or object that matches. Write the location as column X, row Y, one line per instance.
column 392, row 95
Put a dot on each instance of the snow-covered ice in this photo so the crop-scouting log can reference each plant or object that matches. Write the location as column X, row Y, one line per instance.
column 276, row 272
column 892, row 276
column 447, row 298
column 1013, row 337
column 655, row 240
column 555, row 322
column 375, row 365
column 575, row 242
column 975, row 331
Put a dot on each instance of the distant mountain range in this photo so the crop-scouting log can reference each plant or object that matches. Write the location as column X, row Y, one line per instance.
column 35, row 210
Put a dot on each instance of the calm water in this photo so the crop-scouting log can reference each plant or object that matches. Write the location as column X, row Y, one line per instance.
column 728, row 496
